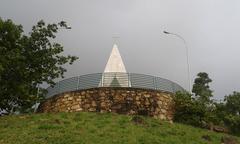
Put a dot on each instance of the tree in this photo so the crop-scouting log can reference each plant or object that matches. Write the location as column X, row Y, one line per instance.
column 195, row 110
column 27, row 61
column 199, row 110
column 230, row 112
column 188, row 110
column 201, row 88
column 233, row 103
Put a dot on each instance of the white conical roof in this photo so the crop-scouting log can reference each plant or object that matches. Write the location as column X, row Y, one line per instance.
column 115, row 63
column 115, row 74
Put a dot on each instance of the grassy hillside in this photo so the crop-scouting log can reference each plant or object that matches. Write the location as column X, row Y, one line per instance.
column 95, row 128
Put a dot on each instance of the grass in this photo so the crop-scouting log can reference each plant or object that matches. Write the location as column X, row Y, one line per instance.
column 96, row 128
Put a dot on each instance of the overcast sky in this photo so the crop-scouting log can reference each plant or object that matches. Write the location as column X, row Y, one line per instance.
column 211, row 29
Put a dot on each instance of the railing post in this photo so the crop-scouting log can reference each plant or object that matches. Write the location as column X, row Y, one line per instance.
column 78, row 82
column 129, row 82
column 58, row 87
column 102, row 79
column 154, row 83
column 173, row 90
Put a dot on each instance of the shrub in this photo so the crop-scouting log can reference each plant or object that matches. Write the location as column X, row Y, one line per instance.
column 233, row 123
column 188, row 110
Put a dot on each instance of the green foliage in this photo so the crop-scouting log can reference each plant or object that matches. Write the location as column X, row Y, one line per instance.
column 232, row 112
column 188, row 110
column 233, row 122
column 199, row 110
column 233, row 103
column 195, row 110
column 91, row 128
column 201, row 88
column 217, row 115
column 27, row 61
column 191, row 110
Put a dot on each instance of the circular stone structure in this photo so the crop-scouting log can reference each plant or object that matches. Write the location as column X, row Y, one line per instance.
column 123, row 93
column 115, row 90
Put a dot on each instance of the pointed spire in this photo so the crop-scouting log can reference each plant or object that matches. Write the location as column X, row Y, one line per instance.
column 115, row 63
column 115, row 74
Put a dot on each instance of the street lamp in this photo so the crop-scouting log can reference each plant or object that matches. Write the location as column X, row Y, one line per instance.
column 188, row 65
column 64, row 24
column 65, row 28
column 68, row 27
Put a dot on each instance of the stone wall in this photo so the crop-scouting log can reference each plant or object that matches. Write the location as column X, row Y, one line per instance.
column 130, row 101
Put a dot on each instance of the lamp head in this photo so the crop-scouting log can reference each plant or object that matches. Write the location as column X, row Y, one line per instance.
column 63, row 24
column 68, row 27
column 166, row 32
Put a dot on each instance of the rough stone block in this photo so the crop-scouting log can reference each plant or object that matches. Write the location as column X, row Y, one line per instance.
column 120, row 100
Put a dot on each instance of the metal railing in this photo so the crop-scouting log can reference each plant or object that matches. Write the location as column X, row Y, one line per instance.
column 113, row 80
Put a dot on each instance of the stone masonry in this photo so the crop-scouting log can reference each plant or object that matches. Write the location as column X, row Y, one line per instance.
column 129, row 101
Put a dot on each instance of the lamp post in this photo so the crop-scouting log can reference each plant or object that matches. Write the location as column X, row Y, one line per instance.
column 188, row 65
